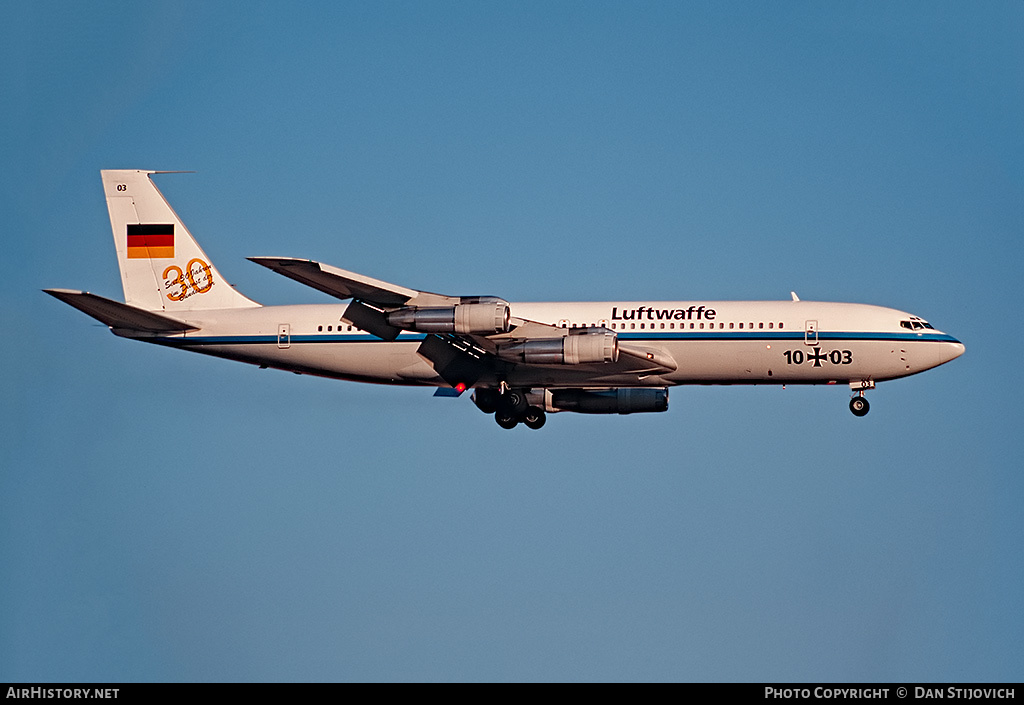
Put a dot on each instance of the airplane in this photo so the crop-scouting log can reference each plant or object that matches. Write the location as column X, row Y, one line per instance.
column 523, row 360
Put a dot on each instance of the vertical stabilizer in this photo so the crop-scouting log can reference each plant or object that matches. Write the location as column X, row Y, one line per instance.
column 162, row 266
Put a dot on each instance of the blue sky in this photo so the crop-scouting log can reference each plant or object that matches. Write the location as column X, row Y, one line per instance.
column 175, row 517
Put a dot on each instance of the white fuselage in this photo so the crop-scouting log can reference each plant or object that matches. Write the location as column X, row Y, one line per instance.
column 712, row 342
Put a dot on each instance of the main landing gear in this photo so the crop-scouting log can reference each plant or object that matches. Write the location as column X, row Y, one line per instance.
column 534, row 417
column 513, row 407
column 510, row 408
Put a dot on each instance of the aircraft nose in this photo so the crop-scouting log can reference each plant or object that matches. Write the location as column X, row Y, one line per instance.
column 954, row 349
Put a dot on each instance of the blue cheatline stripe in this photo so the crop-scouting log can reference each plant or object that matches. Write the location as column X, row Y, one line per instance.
column 928, row 337
column 791, row 336
column 293, row 339
column 797, row 336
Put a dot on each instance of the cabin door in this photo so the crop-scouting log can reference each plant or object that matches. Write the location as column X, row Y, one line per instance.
column 811, row 333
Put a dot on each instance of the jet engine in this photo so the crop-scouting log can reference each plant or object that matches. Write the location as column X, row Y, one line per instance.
column 574, row 349
column 610, row 401
column 486, row 317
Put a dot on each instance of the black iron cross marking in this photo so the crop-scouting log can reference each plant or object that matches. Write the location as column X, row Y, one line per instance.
column 817, row 357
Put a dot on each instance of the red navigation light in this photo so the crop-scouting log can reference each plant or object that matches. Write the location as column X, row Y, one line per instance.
column 460, row 387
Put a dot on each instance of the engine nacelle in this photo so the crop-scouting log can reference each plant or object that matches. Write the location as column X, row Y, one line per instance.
column 575, row 349
column 610, row 401
column 485, row 318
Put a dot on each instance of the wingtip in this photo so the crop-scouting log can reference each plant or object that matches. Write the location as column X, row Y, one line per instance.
column 64, row 292
column 263, row 261
column 283, row 261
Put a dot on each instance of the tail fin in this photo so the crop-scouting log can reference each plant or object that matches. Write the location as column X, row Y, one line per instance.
column 162, row 266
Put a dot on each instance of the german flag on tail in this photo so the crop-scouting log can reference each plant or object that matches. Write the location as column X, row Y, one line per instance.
column 149, row 241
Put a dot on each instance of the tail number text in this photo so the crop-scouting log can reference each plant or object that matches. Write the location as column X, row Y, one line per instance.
column 816, row 357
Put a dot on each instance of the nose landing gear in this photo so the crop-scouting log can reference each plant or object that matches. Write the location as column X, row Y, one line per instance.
column 859, row 405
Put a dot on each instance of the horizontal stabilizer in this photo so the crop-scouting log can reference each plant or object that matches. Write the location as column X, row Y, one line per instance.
column 349, row 285
column 118, row 315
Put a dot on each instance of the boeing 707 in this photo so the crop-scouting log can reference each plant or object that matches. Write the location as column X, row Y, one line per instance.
column 522, row 360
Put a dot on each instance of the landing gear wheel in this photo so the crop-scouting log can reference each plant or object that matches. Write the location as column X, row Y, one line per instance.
column 534, row 417
column 504, row 420
column 859, row 406
column 514, row 402
column 486, row 399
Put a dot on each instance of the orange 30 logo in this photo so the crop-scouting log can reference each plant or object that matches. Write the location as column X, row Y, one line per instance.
column 196, row 279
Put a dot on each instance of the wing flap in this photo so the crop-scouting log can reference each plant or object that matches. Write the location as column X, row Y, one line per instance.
column 371, row 320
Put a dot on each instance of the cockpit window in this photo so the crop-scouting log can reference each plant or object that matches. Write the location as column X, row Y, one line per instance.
column 916, row 324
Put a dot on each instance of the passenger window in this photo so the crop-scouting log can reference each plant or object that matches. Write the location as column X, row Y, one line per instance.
column 320, row 329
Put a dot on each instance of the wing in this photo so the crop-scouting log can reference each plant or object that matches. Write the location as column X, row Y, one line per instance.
column 471, row 338
column 343, row 284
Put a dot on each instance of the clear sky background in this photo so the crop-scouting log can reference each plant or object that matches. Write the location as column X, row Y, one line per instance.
column 167, row 516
